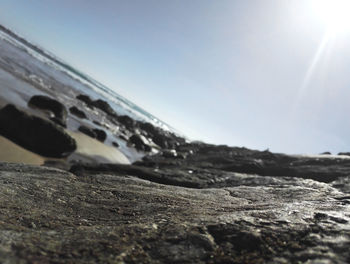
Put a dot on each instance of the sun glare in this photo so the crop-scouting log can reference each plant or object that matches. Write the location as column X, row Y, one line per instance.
column 334, row 13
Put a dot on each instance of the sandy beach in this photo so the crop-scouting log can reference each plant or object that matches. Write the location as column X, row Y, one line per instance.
column 89, row 149
column 11, row 152
column 74, row 120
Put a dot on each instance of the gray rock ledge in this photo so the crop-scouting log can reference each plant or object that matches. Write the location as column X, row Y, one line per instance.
column 52, row 216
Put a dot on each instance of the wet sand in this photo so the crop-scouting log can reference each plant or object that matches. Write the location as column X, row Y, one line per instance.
column 89, row 149
column 11, row 152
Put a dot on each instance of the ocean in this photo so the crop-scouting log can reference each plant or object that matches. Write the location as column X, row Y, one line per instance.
column 24, row 66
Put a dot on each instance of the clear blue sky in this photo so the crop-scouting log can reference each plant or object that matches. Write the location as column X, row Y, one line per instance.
column 244, row 73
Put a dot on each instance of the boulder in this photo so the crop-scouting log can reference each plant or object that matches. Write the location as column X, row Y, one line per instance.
column 160, row 137
column 101, row 135
column 139, row 144
column 344, row 153
column 127, row 121
column 99, row 103
column 148, row 127
column 34, row 133
column 86, row 99
column 46, row 103
column 104, row 106
column 77, row 112
column 87, row 131
column 189, row 210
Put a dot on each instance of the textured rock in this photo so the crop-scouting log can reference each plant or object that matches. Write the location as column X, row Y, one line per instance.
column 34, row 133
column 46, row 103
column 242, row 160
column 113, row 217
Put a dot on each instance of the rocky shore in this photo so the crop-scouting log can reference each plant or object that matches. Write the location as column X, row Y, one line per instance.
column 190, row 207
column 184, row 202
column 83, row 183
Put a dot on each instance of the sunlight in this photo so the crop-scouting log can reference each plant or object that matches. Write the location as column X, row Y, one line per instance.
column 334, row 13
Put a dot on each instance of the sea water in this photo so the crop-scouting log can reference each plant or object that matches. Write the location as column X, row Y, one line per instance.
column 33, row 66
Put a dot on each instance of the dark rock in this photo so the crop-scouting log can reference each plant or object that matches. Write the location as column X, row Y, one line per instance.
column 100, row 134
column 162, row 138
column 241, row 160
column 161, row 141
column 326, row 153
column 127, row 121
column 148, row 127
column 157, row 135
column 104, row 106
column 35, row 134
column 86, row 99
column 344, row 153
column 102, row 215
column 77, row 112
column 170, row 154
column 123, row 137
column 115, row 144
column 99, row 103
column 139, row 144
column 87, row 131
column 46, row 103
column 97, row 123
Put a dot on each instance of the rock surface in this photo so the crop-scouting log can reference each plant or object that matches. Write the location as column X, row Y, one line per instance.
column 99, row 103
column 46, row 103
column 139, row 143
column 100, row 134
column 77, row 112
column 87, row 131
column 34, row 133
column 186, row 208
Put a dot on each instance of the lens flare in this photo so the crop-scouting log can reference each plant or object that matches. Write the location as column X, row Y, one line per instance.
column 334, row 13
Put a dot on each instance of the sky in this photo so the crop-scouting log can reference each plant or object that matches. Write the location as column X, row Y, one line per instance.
column 264, row 74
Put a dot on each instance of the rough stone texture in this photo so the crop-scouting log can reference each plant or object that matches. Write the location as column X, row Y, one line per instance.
column 34, row 133
column 183, row 208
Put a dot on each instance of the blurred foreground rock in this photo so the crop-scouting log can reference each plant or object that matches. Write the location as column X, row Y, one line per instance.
column 191, row 207
column 34, row 133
